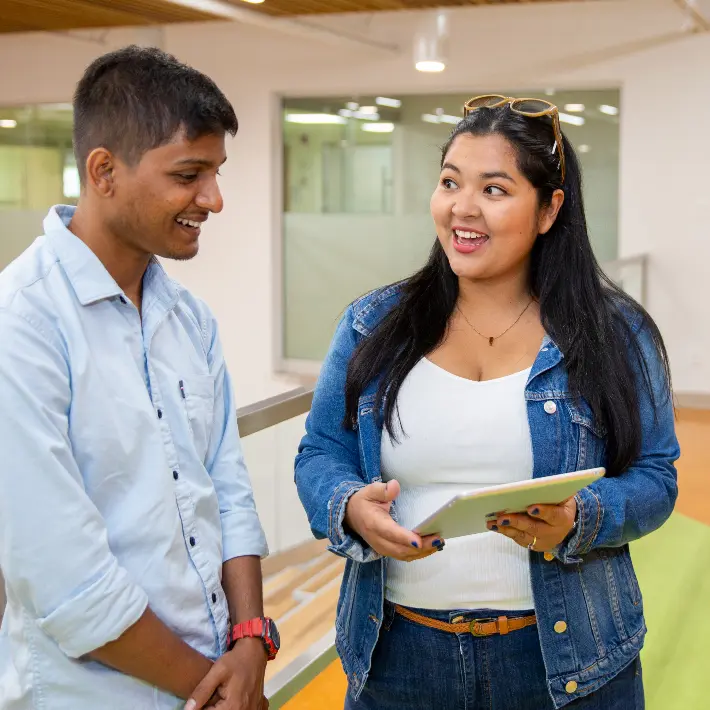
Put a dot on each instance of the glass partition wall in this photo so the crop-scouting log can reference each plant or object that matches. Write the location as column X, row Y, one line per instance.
column 358, row 176
column 37, row 170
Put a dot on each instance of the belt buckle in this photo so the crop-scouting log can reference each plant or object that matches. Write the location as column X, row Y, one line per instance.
column 472, row 626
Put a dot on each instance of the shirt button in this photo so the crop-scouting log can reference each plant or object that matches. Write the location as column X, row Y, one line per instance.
column 571, row 687
column 192, row 542
column 176, row 475
column 122, row 299
column 214, row 598
column 548, row 557
column 560, row 627
column 550, row 407
column 160, row 414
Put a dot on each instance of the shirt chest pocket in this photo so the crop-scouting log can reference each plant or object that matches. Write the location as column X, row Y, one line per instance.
column 198, row 398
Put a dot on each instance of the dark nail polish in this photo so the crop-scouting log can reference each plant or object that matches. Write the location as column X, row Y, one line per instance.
column 414, row 544
column 494, row 528
column 437, row 543
column 441, row 547
column 505, row 522
column 536, row 511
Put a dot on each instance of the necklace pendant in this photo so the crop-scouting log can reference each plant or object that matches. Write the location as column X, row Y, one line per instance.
column 490, row 340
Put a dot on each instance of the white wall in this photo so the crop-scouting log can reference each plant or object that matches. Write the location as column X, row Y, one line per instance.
column 663, row 208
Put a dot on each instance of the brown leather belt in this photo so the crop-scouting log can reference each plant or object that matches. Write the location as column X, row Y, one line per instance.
column 477, row 627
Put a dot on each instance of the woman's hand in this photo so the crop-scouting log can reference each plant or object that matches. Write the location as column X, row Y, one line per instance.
column 368, row 514
column 545, row 525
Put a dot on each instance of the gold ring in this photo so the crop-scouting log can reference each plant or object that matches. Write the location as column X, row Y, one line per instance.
column 533, row 543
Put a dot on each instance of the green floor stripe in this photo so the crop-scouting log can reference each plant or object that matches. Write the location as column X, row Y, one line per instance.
column 673, row 566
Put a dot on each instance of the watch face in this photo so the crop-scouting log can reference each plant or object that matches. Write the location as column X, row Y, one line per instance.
column 274, row 635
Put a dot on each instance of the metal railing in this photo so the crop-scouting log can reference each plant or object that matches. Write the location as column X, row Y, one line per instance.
column 304, row 668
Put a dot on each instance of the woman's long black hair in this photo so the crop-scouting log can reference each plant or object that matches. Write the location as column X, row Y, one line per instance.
column 584, row 313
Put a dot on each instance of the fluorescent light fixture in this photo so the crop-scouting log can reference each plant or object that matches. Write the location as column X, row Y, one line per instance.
column 574, row 108
column 8, row 123
column 352, row 106
column 430, row 66
column 445, row 118
column 366, row 116
column 384, row 101
column 314, row 118
column 609, row 110
column 345, row 113
column 430, row 118
column 584, row 148
column 378, row 127
column 368, row 109
column 549, row 92
column 572, row 120
column 253, row 2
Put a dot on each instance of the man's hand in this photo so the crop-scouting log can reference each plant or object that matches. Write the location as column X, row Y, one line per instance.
column 542, row 529
column 235, row 681
column 368, row 514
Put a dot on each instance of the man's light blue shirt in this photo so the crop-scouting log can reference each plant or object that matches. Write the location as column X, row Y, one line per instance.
column 122, row 482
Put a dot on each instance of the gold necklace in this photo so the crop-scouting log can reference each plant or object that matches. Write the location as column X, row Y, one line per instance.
column 491, row 338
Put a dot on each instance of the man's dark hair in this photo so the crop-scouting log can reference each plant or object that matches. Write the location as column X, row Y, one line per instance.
column 136, row 99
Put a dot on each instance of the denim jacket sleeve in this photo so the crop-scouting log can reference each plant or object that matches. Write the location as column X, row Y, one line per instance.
column 615, row 511
column 328, row 470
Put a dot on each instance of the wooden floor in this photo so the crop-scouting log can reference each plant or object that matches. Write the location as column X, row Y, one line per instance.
column 675, row 590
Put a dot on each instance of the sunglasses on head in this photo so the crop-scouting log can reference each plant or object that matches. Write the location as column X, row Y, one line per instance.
column 532, row 108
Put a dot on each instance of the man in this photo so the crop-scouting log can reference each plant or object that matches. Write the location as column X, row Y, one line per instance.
column 128, row 533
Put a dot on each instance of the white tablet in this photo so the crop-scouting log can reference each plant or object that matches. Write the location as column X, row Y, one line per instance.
column 467, row 513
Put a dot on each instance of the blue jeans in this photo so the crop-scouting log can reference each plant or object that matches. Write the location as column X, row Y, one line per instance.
column 419, row 668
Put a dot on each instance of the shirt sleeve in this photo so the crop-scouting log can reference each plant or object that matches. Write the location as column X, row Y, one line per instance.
column 242, row 533
column 54, row 549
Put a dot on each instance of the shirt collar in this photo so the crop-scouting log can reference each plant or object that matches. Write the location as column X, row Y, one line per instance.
column 87, row 274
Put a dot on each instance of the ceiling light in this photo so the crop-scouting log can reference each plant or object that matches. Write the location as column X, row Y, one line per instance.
column 384, row 101
column 378, row 127
column 368, row 109
column 572, row 120
column 253, row 2
column 445, row 118
column 584, row 148
column 314, row 118
column 366, row 116
column 8, row 123
column 430, row 66
column 574, row 108
column 609, row 110
column 549, row 92
column 431, row 42
column 352, row 105
column 430, row 118
column 345, row 113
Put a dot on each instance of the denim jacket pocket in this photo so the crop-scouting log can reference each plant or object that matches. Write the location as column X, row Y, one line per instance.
column 590, row 435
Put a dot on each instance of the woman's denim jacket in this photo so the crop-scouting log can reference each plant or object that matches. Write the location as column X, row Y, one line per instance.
column 590, row 582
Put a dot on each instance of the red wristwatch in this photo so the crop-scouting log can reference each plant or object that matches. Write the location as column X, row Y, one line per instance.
column 261, row 627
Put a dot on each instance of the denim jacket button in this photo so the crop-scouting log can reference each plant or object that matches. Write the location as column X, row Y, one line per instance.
column 560, row 627
column 571, row 687
column 548, row 557
column 550, row 407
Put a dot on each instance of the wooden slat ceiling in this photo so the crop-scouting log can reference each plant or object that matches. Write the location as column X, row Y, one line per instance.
column 319, row 7
column 58, row 15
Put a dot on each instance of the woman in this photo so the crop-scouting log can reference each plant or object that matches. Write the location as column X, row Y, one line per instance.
column 508, row 356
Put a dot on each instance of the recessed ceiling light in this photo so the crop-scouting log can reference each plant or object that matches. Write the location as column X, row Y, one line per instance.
column 584, row 148
column 8, row 123
column 549, row 92
column 574, row 108
column 352, row 105
column 609, row 110
column 430, row 118
column 368, row 109
column 366, row 116
column 384, row 101
column 430, row 66
column 253, row 2
column 378, row 127
column 345, row 113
